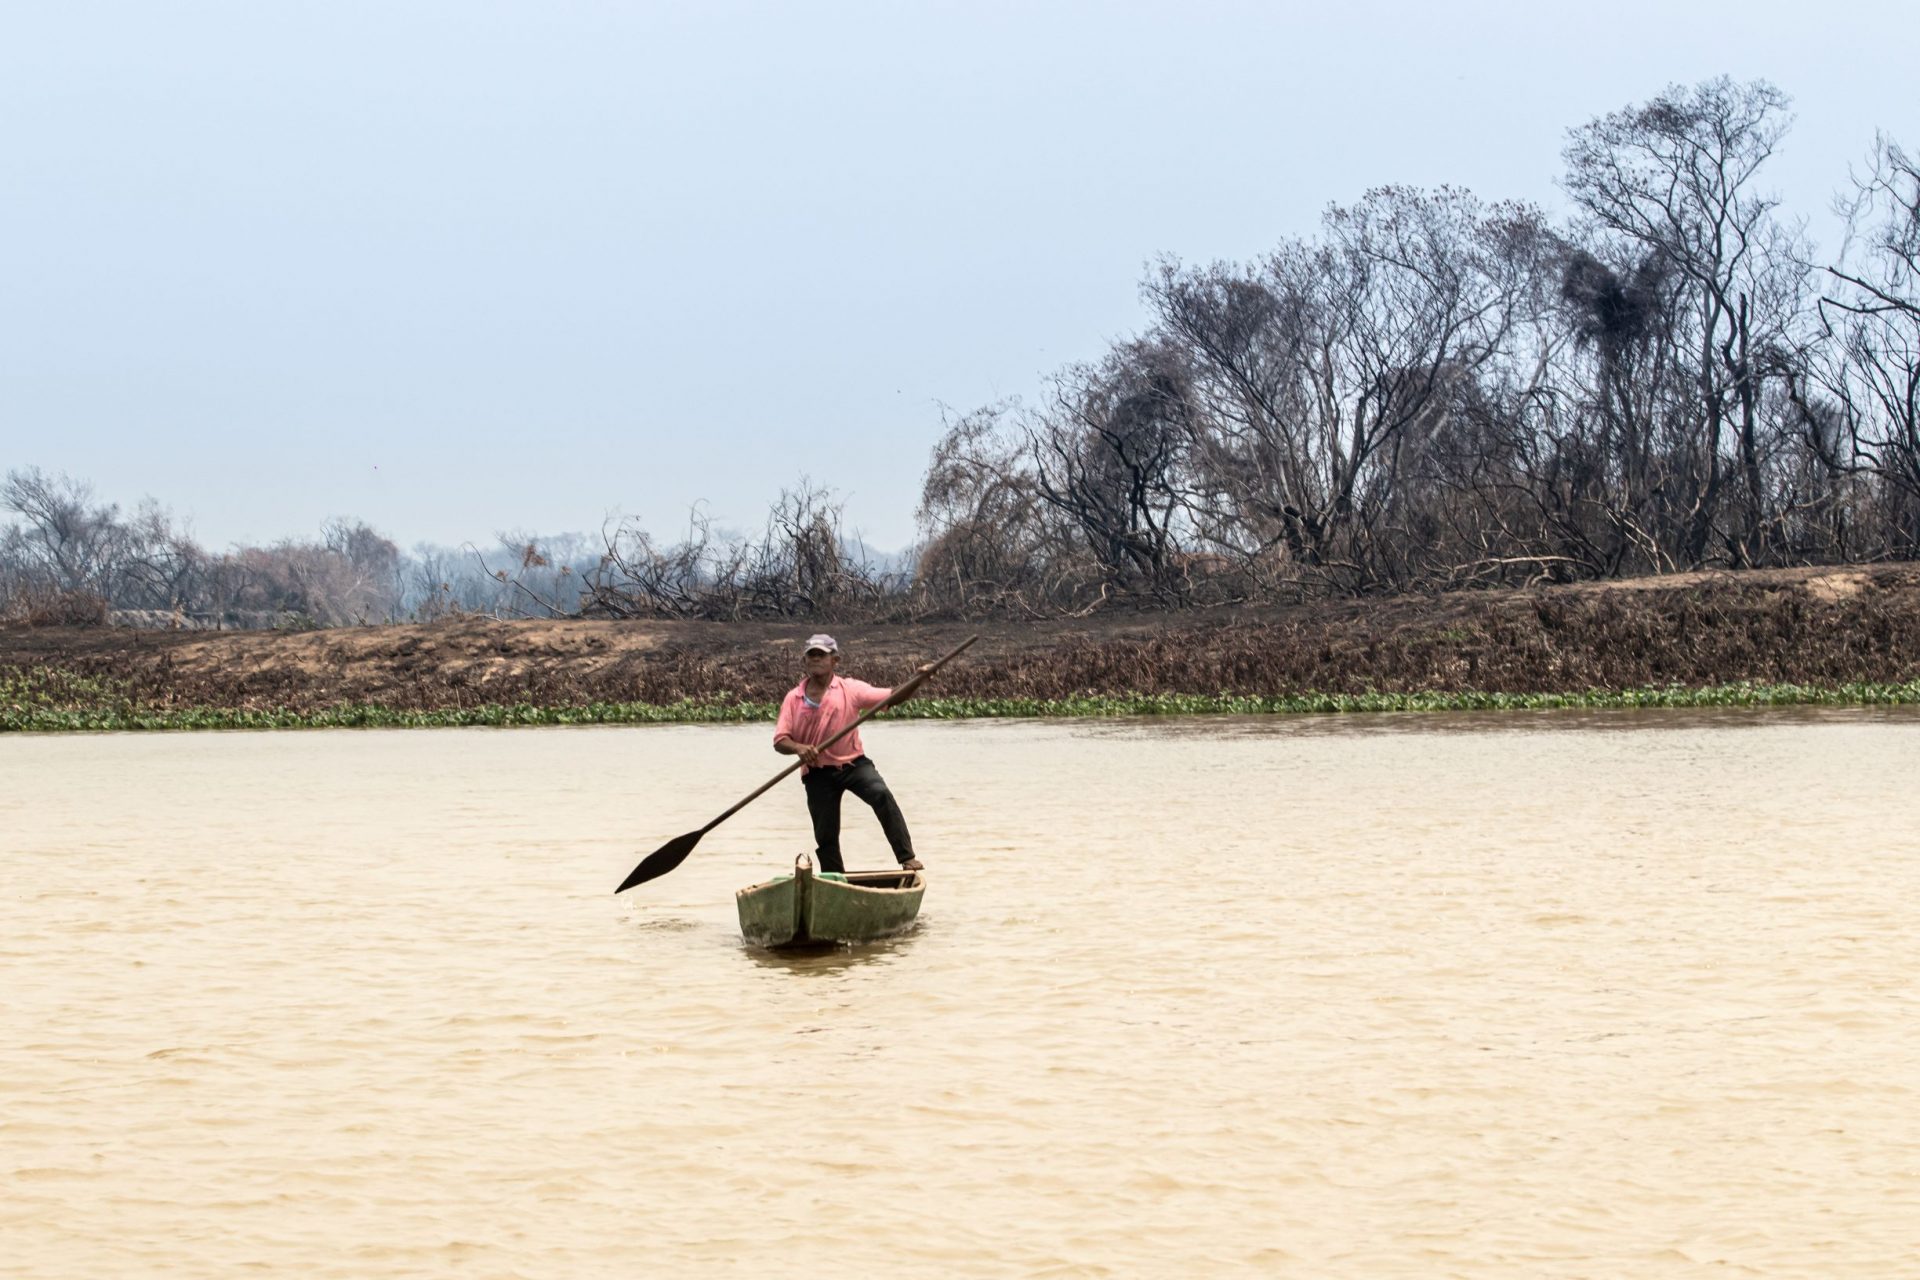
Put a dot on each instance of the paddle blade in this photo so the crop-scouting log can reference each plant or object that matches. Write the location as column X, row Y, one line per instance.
column 662, row 860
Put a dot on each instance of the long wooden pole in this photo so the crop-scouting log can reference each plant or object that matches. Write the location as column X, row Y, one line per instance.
column 675, row 851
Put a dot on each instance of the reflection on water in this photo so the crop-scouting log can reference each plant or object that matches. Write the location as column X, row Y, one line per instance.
column 1530, row 994
column 831, row 959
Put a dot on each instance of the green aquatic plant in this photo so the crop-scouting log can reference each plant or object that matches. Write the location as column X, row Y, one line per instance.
column 44, row 699
column 57, row 687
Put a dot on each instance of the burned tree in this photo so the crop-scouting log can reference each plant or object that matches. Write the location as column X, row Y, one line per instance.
column 1859, row 403
column 1675, row 180
column 1107, row 454
column 1322, row 372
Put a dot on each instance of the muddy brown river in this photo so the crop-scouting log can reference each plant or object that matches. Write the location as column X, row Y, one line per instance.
column 1400, row 996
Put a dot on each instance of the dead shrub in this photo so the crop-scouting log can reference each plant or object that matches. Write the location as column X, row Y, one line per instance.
column 52, row 608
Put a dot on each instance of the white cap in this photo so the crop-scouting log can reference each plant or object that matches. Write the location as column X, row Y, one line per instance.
column 823, row 642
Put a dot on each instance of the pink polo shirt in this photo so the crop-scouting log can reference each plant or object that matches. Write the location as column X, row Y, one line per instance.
column 839, row 707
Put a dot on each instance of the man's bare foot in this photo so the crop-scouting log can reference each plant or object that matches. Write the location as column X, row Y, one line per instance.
column 913, row 864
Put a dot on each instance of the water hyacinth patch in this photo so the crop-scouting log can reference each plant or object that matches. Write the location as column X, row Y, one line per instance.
column 51, row 700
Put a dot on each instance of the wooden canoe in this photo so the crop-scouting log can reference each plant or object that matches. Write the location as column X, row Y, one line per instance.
column 806, row 909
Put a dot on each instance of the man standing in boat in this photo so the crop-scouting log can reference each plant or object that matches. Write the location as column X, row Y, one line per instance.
column 814, row 710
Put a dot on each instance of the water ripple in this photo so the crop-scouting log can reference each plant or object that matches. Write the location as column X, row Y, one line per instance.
column 1600, row 994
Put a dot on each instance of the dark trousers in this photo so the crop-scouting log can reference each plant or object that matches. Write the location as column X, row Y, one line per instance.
column 825, row 786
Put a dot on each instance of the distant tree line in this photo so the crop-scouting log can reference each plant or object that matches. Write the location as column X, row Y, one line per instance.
column 1432, row 392
column 67, row 559
column 1437, row 392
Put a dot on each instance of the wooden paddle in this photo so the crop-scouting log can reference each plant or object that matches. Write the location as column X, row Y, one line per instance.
column 675, row 851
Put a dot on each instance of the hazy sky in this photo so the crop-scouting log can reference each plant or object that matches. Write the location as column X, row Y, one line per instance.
column 454, row 266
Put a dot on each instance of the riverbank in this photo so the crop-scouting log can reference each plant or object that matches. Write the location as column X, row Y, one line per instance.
column 1773, row 637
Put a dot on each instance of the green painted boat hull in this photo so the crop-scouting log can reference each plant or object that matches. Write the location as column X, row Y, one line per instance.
column 804, row 909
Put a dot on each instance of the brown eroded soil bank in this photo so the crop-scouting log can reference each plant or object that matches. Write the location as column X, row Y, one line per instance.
column 1804, row 626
